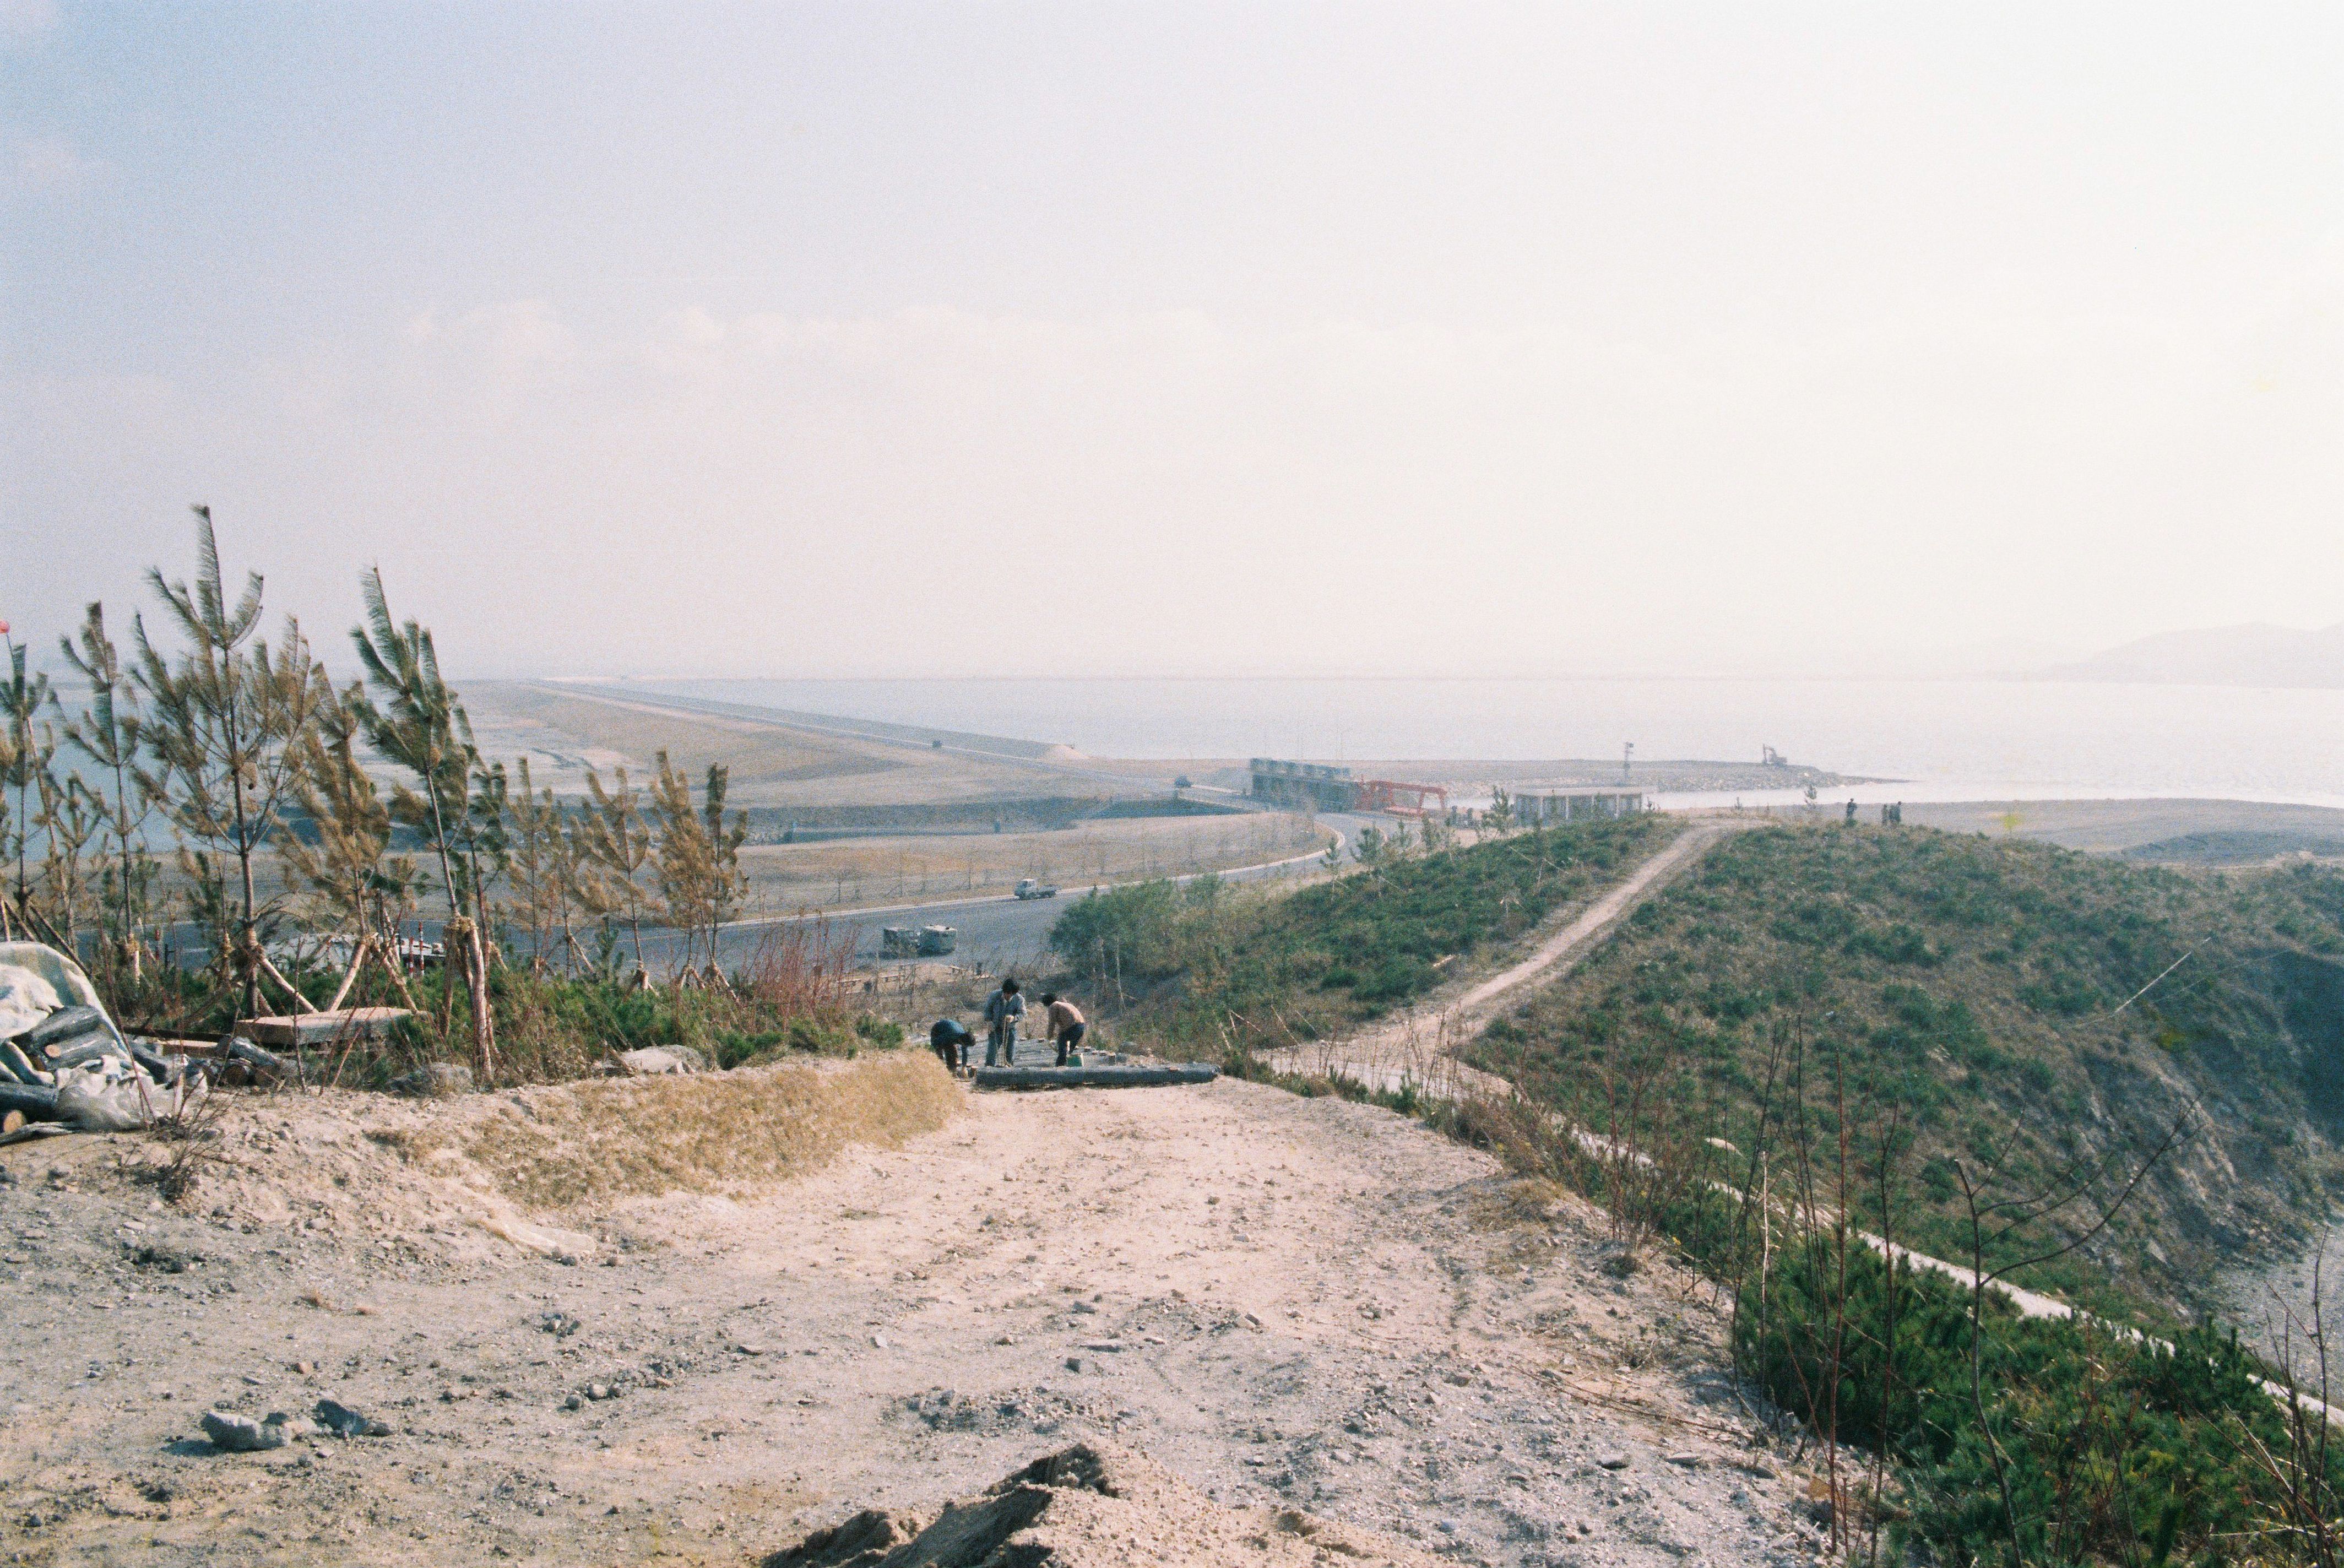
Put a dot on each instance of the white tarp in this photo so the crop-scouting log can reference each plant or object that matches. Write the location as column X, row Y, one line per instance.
column 24, row 999
column 35, row 980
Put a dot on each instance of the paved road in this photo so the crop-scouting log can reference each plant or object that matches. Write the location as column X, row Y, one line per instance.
column 997, row 933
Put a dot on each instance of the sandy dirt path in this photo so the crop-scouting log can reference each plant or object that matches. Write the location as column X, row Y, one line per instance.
column 1416, row 1046
column 1279, row 1298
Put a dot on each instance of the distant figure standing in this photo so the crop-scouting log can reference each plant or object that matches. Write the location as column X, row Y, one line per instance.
column 1065, row 1022
column 951, row 1042
column 1001, row 1011
column 1850, row 812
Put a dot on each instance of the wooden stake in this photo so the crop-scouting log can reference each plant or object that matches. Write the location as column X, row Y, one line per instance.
column 358, row 961
column 301, row 1004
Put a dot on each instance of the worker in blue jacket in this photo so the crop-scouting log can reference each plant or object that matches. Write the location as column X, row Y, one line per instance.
column 950, row 1040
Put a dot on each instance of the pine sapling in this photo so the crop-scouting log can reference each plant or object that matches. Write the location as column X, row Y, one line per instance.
column 223, row 718
column 24, row 765
column 106, row 732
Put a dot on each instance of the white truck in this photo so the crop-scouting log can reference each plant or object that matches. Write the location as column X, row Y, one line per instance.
column 1030, row 888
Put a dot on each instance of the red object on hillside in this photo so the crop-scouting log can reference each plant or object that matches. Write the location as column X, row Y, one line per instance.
column 1387, row 795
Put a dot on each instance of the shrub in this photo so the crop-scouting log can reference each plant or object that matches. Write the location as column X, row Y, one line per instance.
column 1229, row 966
column 2100, row 1436
column 1974, row 982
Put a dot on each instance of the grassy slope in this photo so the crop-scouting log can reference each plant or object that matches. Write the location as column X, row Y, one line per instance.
column 1973, row 984
column 1207, row 967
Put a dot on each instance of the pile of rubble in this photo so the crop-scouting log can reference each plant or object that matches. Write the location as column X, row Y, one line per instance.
column 1094, row 1505
column 65, row 1067
column 233, row 1433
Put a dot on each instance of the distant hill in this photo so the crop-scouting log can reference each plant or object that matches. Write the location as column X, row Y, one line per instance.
column 2249, row 655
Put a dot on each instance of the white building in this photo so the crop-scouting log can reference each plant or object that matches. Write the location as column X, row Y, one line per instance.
column 1545, row 807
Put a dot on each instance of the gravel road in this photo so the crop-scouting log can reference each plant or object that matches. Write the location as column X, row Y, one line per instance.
column 1418, row 1045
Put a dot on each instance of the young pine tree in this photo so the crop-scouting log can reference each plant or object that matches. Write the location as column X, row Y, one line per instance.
column 413, row 719
column 338, row 861
column 72, row 816
column 537, row 864
column 221, row 728
column 687, row 864
column 726, row 883
column 106, row 732
column 24, row 771
column 619, row 844
column 591, row 890
column 487, row 836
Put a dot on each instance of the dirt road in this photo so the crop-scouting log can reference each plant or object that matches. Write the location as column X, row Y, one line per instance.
column 1416, row 1046
column 1278, row 1298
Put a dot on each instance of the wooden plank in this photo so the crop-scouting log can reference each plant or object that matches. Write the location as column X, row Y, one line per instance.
column 165, row 1047
column 319, row 1029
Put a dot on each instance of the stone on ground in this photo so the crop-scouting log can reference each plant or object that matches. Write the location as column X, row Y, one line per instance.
column 1094, row 1505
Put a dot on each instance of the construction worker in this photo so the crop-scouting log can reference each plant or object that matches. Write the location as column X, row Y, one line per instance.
column 951, row 1042
column 1066, row 1023
column 1001, row 1011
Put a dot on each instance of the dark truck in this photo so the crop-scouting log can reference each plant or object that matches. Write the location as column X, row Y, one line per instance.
column 916, row 941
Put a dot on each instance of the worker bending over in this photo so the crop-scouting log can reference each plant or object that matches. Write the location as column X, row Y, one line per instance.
column 950, row 1041
column 1066, row 1021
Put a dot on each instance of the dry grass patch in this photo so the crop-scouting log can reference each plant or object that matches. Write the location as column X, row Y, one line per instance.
column 727, row 1133
column 1525, row 1201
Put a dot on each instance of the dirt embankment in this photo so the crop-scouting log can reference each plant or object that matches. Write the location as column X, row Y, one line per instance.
column 1286, row 1304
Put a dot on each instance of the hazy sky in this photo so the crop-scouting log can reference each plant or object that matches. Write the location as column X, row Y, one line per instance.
column 1171, row 339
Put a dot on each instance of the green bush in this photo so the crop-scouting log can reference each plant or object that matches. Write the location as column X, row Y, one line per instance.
column 1973, row 982
column 736, row 1050
column 2100, row 1436
column 1207, row 963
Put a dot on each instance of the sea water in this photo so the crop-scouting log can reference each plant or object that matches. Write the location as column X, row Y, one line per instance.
column 1939, row 739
